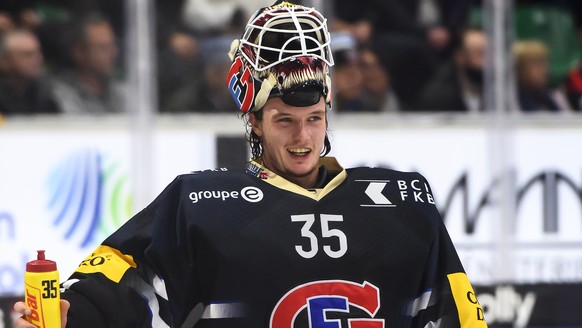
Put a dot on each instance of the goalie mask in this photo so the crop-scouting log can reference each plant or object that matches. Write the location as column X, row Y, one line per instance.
column 284, row 52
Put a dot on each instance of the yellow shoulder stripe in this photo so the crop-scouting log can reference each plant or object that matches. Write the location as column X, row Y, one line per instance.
column 108, row 261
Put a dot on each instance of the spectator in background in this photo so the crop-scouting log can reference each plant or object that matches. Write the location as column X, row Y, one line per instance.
column 190, row 34
column 88, row 85
column 205, row 92
column 411, row 36
column 376, row 83
column 533, row 91
column 179, row 65
column 553, row 22
column 49, row 21
column 179, row 58
column 458, row 85
column 348, row 84
column 361, row 81
column 24, row 88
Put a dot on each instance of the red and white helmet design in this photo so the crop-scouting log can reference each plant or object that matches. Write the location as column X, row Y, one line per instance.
column 284, row 47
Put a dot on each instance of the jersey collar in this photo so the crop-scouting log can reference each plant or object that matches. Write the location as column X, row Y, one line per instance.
column 334, row 171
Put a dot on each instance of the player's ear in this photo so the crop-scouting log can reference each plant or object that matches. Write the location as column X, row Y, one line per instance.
column 256, row 123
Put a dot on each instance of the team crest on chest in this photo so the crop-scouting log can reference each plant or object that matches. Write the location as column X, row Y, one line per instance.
column 357, row 303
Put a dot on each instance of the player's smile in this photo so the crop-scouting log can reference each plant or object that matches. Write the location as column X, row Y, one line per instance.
column 301, row 152
column 292, row 139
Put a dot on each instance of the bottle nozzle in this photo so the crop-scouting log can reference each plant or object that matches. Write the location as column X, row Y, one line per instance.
column 41, row 264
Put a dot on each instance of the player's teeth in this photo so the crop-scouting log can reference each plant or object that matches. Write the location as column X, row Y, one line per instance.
column 299, row 151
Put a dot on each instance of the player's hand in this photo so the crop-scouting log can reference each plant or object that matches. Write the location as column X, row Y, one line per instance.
column 22, row 309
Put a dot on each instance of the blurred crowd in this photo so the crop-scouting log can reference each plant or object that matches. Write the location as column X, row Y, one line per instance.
column 68, row 56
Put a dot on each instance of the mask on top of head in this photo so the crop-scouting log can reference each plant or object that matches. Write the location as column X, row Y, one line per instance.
column 284, row 52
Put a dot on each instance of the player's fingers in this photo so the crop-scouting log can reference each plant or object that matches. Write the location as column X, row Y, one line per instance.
column 21, row 323
column 65, row 305
column 21, row 308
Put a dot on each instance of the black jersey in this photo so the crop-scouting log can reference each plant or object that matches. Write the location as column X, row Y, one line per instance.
column 229, row 248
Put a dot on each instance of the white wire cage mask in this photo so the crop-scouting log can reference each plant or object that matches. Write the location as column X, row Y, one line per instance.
column 282, row 33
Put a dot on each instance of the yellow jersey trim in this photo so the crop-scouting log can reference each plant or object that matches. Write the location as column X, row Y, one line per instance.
column 468, row 307
column 316, row 194
column 108, row 261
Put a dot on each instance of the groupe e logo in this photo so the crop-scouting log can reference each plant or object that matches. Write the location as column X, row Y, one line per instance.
column 250, row 194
